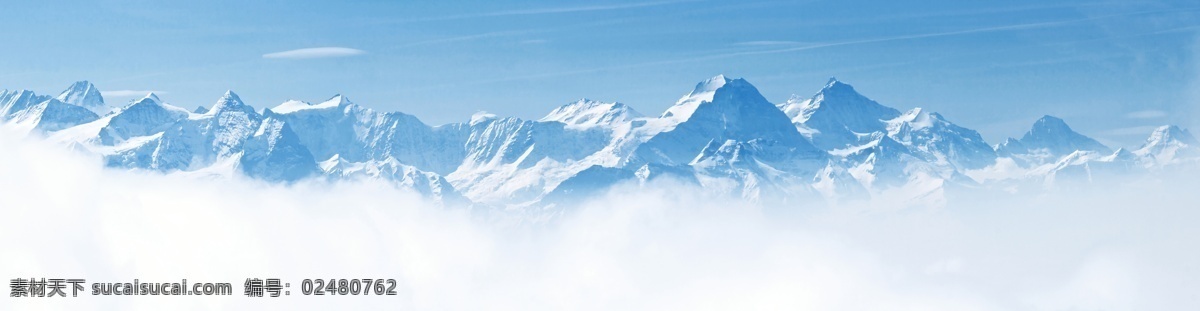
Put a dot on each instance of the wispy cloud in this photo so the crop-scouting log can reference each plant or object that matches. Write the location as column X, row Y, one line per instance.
column 987, row 11
column 1043, row 62
column 776, row 47
column 319, row 52
column 128, row 93
column 589, row 8
column 787, row 49
column 1147, row 114
column 556, row 10
column 1014, row 27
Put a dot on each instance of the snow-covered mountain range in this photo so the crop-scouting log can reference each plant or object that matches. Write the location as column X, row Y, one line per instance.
column 723, row 136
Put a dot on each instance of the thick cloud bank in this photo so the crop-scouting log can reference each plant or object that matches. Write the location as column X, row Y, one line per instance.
column 664, row 247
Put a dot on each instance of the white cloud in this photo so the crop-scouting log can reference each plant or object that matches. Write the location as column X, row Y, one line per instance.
column 128, row 93
column 1147, row 114
column 665, row 247
column 319, row 52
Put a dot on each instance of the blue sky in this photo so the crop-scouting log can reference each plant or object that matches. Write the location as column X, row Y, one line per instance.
column 1113, row 70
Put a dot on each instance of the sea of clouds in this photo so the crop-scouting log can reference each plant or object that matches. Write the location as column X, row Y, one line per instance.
column 1128, row 246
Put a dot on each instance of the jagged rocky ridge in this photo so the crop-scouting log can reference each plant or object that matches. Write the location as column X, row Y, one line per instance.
column 723, row 136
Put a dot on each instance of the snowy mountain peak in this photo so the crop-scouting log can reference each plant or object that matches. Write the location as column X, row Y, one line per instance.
column 481, row 117
column 840, row 98
column 333, row 164
column 53, row 115
column 834, row 116
column 586, row 112
column 1053, row 128
column 290, row 106
column 1048, row 123
column 918, row 118
column 84, row 94
column 835, row 84
column 737, row 92
column 1171, row 133
column 939, row 141
column 710, row 85
column 152, row 97
column 229, row 102
column 149, row 99
column 836, row 89
column 338, row 100
column 1168, row 143
column 733, row 111
column 1121, row 154
column 703, row 92
column 1049, row 139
